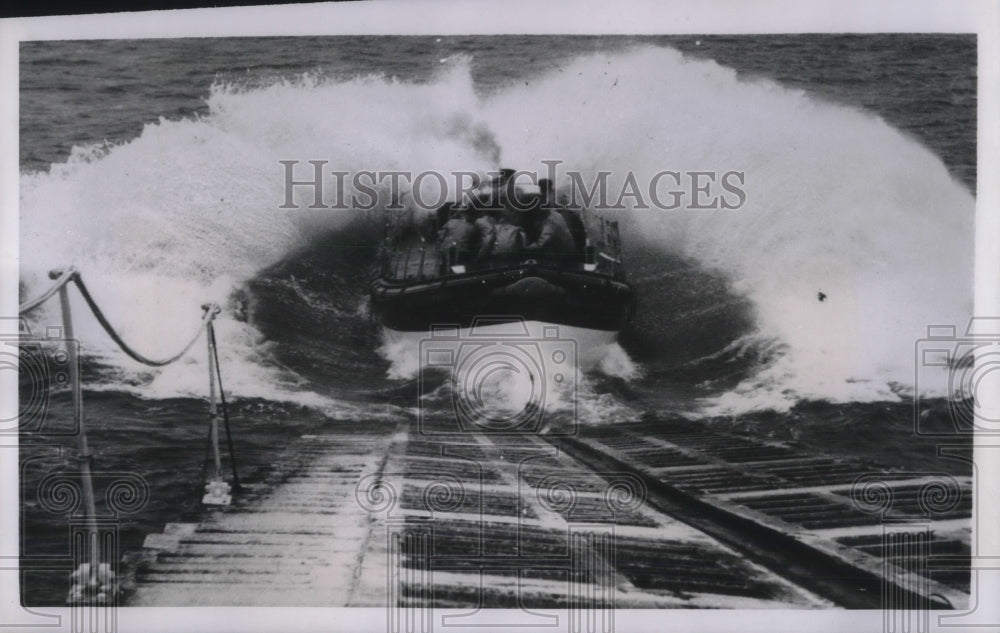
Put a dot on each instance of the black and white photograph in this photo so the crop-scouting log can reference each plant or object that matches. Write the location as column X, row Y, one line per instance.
column 533, row 324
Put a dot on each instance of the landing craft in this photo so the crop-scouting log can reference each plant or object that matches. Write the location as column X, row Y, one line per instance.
column 429, row 277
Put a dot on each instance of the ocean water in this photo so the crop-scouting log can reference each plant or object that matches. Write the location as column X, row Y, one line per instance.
column 152, row 166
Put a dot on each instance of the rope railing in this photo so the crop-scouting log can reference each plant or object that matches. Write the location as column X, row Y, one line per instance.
column 94, row 581
column 62, row 278
column 72, row 275
column 209, row 315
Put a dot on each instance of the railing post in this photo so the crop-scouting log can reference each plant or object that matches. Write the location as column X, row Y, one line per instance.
column 213, row 411
column 74, row 377
column 217, row 491
column 89, row 576
column 93, row 581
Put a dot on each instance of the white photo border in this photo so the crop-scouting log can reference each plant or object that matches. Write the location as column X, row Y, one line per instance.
column 447, row 17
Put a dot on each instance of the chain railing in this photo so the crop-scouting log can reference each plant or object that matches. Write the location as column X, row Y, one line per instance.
column 95, row 578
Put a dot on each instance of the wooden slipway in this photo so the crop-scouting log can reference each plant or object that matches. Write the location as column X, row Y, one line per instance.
column 646, row 515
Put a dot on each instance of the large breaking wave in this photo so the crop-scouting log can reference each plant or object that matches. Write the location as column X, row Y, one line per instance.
column 838, row 202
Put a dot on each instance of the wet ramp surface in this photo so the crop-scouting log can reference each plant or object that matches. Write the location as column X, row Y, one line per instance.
column 638, row 516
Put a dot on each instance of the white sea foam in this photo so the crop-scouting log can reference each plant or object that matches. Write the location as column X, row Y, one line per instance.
column 838, row 201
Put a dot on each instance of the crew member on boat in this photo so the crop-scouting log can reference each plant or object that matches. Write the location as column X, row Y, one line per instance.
column 552, row 237
column 574, row 221
column 459, row 233
column 498, row 231
column 503, row 238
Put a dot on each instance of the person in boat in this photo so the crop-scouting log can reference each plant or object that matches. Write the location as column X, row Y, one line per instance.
column 486, row 233
column 509, row 236
column 459, row 233
column 552, row 238
column 572, row 217
column 505, row 238
column 497, row 233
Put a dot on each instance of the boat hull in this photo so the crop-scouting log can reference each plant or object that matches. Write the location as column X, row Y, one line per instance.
column 526, row 293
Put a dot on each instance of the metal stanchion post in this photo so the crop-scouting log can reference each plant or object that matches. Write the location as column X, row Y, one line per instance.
column 217, row 491
column 92, row 581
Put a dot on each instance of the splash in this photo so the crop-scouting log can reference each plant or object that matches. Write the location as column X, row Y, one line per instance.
column 498, row 372
column 188, row 211
column 838, row 202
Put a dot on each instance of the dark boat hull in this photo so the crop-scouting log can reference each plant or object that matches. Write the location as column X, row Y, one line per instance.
column 531, row 293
